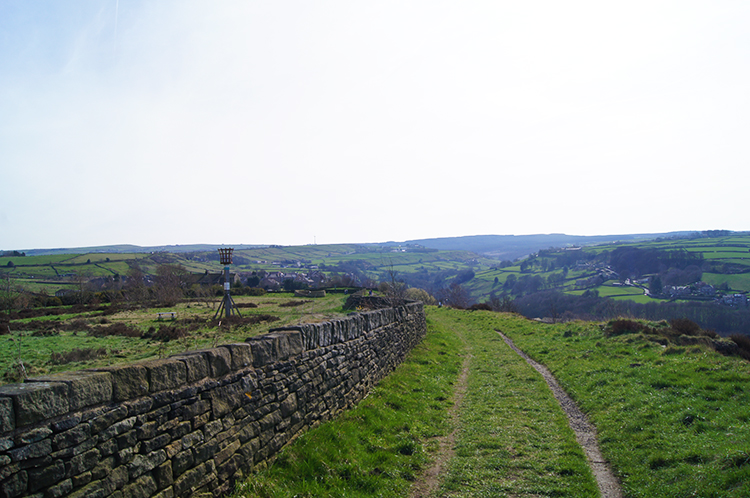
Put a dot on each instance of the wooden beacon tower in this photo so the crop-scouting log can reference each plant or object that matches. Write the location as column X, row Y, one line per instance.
column 227, row 304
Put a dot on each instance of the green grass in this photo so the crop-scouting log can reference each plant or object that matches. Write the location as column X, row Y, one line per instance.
column 674, row 421
column 514, row 438
column 379, row 447
column 36, row 351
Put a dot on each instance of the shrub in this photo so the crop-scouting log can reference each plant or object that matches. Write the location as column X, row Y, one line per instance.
column 624, row 326
column 743, row 343
column 115, row 329
column 686, row 327
column 291, row 304
column 76, row 355
column 167, row 333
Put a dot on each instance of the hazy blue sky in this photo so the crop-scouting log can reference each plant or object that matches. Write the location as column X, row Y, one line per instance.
column 290, row 122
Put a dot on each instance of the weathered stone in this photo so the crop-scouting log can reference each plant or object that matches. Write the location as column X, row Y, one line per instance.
column 166, row 374
column 196, row 365
column 289, row 405
column 144, row 487
column 82, row 479
column 182, row 461
column 191, row 479
column 242, row 356
column 47, row 476
column 163, row 475
column 103, row 468
column 66, row 423
column 140, row 406
column 146, row 431
column 227, row 452
column 145, row 463
column 128, row 381
column 61, row 489
column 33, row 435
column 226, row 398
column 83, row 462
column 117, row 428
column 35, row 450
column 212, row 428
column 86, row 388
column 190, row 440
column 159, row 441
column 36, row 401
column 219, row 361
column 107, row 419
column 167, row 493
column 181, row 429
column 7, row 415
column 15, row 485
column 126, row 440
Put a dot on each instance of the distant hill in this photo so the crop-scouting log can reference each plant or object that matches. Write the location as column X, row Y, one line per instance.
column 129, row 248
column 516, row 246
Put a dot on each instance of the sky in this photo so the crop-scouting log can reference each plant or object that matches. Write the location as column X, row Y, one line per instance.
column 300, row 122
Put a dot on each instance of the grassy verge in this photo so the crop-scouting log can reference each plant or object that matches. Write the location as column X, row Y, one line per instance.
column 378, row 448
column 674, row 421
column 514, row 439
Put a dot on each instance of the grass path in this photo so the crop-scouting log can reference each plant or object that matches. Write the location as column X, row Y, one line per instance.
column 513, row 439
column 609, row 487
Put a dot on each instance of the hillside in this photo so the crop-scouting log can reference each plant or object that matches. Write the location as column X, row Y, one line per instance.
column 705, row 276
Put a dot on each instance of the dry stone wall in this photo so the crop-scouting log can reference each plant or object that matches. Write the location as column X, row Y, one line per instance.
column 192, row 424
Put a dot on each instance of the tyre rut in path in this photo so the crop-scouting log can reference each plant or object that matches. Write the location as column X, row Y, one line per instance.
column 430, row 479
column 585, row 432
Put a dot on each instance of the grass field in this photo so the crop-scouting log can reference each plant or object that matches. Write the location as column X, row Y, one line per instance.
column 44, row 337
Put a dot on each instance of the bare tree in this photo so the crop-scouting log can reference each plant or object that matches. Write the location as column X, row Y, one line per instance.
column 170, row 284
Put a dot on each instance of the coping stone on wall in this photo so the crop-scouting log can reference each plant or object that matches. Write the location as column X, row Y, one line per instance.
column 7, row 415
column 37, row 401
column 129, row 381
column 196, row 365
column 165, row 374
column 85, row 388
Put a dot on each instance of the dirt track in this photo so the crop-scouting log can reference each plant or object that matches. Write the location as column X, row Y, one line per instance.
column 609, row 486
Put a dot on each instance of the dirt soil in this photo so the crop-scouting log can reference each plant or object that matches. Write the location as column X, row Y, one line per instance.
column 609, row 486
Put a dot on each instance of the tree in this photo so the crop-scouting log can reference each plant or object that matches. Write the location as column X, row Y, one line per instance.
column 420, row 295
column 455, row 296
column 170, row 284
column 656, row 286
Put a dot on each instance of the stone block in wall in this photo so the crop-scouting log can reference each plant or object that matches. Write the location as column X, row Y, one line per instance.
column 128, row 381
column 85, row 388
column 165, row 374
column 219, row 361
column 196, row 365
column 242, row 356
column 36, row 401
column 7, row 415
column 275, row 346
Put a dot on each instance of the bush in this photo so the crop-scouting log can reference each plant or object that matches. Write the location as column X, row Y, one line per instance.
column 686, row 327
column 116, row 329
column 743, row 343
column 76, row 355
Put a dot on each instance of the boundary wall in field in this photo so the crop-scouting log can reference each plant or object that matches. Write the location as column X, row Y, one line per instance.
column 192, row 424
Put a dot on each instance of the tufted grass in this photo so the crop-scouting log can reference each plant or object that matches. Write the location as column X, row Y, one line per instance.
column 379, row 447
column 674, row 421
